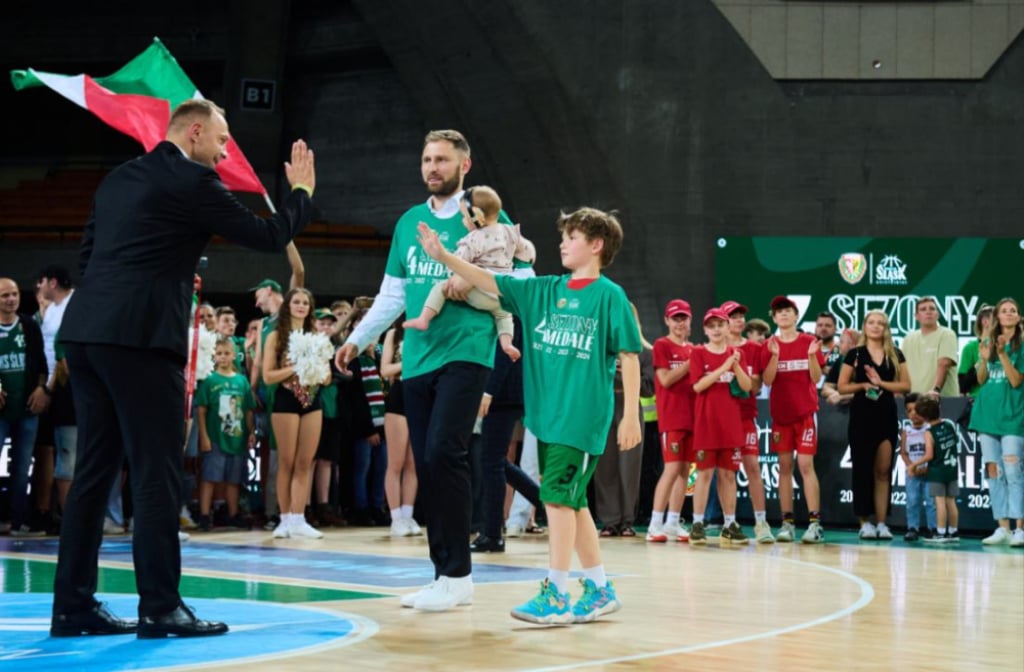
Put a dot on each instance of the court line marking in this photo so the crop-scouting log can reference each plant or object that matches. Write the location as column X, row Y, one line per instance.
column 867, row 594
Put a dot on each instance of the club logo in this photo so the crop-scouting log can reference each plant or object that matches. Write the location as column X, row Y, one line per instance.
column 852, row 267
column 561, row 303
column 891, row 271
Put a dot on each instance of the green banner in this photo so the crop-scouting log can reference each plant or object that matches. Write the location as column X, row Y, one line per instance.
column 850, row 276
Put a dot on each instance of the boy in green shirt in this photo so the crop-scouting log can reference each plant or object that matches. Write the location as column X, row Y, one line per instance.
column 940, row 454
column 575, row 326
column 225, row 404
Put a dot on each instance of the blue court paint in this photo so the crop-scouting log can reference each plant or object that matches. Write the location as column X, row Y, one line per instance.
column 279, row 561
column 259, row 631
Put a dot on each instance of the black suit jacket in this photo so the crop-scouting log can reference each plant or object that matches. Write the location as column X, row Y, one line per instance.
column 152, row 217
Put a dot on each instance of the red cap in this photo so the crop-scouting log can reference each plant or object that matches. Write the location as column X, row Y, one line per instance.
column 677, row 306
column 781, row 301
column 731, row 307
column 715, row 313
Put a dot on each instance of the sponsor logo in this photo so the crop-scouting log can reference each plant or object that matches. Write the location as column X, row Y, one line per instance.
column 561, row 303
column 852, row 267
column 891, row 271
column 700, row 455
column 674, row 447
column 574, row 304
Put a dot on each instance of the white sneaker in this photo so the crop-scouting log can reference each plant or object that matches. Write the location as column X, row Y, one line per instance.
column 414, row 528
column 515, row 530
column 183, row 537
column 1000, row 536
column 656, row 534
column 445, row 593
column 1018, row 538
column 409, row 599
column 671, row 530
column 869, row 531
column 787, row 532
column 763, row 533
column 682, row 534
column 185, row 519
column 300, row 528
column 282, row 531
column 110, row 527
column 814, row 534
column 884, row 533
column 399, row 527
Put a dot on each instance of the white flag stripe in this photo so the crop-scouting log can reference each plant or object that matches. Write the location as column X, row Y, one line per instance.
column 71, row 87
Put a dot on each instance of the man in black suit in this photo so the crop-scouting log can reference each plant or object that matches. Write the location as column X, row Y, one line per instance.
column 126, row 334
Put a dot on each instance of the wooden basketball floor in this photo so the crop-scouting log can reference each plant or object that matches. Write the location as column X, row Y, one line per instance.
column 845, row 605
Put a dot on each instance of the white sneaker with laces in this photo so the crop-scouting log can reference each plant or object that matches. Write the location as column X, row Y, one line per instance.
column 787, row 532
column 868, row 531
column 763, row 533
column 813, row 535
column 884, row 533
column 445, row 593
column 282, row 531
column 300, row 528
column 414, row 528
column 657, row 534
column 399, row 527
column 1018, row 538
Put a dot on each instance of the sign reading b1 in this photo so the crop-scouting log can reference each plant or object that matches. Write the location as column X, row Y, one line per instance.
column 258, row 94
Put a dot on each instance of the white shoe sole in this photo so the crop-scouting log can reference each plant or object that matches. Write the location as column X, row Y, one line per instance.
column 553, row 619
column 609, row 608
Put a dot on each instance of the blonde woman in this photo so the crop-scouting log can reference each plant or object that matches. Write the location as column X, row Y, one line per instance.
column 873, row 372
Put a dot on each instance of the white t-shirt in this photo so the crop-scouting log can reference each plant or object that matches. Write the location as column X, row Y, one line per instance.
column 51, row 325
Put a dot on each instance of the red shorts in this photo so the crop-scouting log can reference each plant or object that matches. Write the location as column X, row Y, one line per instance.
column 677, row 446
column 723, row 458
column 751, row 441
column 800, row 436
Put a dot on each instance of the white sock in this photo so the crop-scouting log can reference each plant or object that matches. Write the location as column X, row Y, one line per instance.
column 396, row 514
column 597, row 575
column 698, row 518
column 673, row 518
column 657, row 518
column 729, row 520
column 942, row 530
column 759, row 517
column 406, row 510
column 559, row 579
column 952, row 530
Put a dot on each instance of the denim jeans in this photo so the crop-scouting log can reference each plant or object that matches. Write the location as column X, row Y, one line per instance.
column 917, row 496
column 22, row 433
column 1006, row 490
column 370, row 463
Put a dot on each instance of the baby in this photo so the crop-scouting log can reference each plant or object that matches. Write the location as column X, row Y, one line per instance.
column 491, row 246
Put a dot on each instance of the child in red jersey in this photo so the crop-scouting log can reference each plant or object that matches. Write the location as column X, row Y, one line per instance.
column 751, row 450
column 717, row 429
column 791, row 362
column 674, row 397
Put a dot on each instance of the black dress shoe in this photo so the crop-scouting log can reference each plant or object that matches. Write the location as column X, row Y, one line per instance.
column 95, row 621
column 181, row 623
column 485, row 544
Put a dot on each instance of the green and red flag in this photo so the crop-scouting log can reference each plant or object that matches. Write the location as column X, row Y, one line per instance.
column 137, row 100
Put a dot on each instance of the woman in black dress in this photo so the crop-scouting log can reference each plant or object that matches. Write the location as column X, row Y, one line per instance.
column 873, row 372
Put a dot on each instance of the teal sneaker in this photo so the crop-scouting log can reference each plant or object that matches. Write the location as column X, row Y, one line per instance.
column 547, row 607
column 595, row 602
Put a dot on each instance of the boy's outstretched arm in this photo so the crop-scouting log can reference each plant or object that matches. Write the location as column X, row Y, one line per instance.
column 480, row 278
column 629, row 427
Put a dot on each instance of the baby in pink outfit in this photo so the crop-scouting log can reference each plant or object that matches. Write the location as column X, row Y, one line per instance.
column 491, row 246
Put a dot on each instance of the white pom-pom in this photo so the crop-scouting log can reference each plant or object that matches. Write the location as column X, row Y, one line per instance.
column 204, row 354
column 310, row 355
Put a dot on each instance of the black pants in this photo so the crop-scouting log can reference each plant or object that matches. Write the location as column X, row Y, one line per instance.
column 496, row 470
column 130, row 403
column 441, row 408
column 863, row 456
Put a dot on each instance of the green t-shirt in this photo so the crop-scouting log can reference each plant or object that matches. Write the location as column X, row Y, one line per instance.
column 459, row 333
column 968, row 358
column 227, row 400
column 12, row 370
column 329, row 400
column 944, row 466
column 569, row 352
column 239, row 342
column 998, row 406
